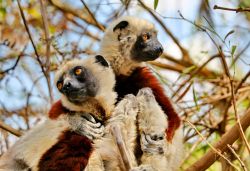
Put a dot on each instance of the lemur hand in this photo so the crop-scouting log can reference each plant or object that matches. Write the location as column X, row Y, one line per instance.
column 128, row 106
column 143, row 168
column 85, row 124
column 152, row 143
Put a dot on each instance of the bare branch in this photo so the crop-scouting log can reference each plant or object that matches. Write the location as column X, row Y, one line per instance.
column 234, row 99
column 48, row 41
column 232, row 9
column 10, row 129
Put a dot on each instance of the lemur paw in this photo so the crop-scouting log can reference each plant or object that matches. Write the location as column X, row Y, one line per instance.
column 152, row 143
column 143, row 168
column 85, row 124
column 127, row 106
column 132, row 104
column 147, row 94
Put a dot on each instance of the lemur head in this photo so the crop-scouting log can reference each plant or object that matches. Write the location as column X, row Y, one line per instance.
column 129, row 41
column 86, row 84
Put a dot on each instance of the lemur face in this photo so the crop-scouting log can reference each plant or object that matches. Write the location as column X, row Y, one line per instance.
column 146, row 46
column 78, row 83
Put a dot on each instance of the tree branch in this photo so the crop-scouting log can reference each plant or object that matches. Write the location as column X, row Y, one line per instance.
column 228, row 138
column 48, row 41
column 232, row 9
column 10, row 129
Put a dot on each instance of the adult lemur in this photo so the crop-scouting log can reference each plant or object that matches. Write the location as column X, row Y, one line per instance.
column 64, row 141
column 68, row 140
column 127, row 43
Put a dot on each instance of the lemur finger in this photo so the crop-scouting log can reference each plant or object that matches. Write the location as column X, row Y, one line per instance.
column 145, row 92
column 96, row 130
column 152, row 150
column 90, row 123
column 153, row 139
column 88, row 117
column 150, row 146
column 92, row 133
column 142, row 168
column 96, row 135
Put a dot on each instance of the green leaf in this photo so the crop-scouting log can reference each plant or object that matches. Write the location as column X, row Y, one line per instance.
column 195, row 99
column 228, row 34
column 155, row 4
column 233, row 49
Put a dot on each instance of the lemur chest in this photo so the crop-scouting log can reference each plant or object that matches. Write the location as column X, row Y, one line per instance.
column 131, row 84
column 125, row 85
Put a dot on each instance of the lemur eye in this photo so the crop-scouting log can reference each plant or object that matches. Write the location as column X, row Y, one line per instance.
column 59, row 85
column 78, row 71
column 145, row 36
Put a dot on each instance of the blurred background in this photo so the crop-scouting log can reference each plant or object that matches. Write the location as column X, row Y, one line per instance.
column 205, row 66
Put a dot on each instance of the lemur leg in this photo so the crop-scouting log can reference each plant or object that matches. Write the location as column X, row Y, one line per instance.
column 85, row 124
column 123, row 115
column 152, row 125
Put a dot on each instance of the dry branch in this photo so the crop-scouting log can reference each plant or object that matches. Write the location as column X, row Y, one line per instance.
column 228, row 138
column 10, row 129
column 66, row 9
column 48, row 41
column 232, row 9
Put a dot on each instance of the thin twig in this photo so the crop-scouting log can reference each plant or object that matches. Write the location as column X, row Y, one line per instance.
column 194, row 74
column 228, row 138
column 211, row 146
column 222, row 57
column 48, row 41
column 92, row 16
column 238, row 157
column 68, row 10
column 15, row 64
column 232, row 9
column 32, row 42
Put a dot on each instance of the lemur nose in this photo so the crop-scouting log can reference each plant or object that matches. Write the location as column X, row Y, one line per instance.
column 67, row 86
column 160, row 49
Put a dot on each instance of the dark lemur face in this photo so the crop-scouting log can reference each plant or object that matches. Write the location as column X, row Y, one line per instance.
column 78, row 83
column 146, row 47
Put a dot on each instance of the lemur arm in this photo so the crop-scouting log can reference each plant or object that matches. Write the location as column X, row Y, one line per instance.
column 74, row 147
column 71, row 152
column 80, row 123
column 145, row 78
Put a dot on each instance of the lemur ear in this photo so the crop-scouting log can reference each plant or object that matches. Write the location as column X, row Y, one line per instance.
column 121, row 25
column 101, row 60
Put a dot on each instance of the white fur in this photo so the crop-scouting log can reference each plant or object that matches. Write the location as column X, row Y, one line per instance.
column 34, row 144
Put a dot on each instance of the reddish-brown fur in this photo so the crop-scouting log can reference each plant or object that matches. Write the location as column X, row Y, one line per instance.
column 71, row 153
column 143, row 77
column 57, row 109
